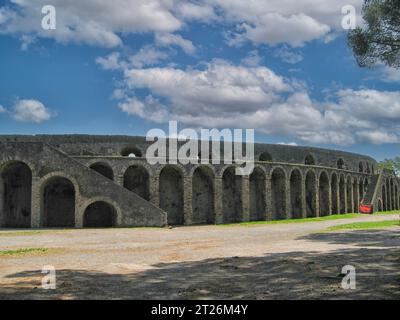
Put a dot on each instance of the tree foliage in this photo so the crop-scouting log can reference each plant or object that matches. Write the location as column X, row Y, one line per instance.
column 391, row 164
column 379, row 40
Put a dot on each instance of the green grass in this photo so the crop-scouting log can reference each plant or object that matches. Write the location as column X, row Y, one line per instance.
column 31, row 232
column 366, row 225
column 302, row 220
column 22, row 251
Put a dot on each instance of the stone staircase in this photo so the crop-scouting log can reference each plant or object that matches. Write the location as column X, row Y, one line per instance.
column 46, row 160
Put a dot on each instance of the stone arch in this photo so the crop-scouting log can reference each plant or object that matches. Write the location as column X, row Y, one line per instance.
column 104, row 169
column 257, row 195
column 380, row 206
column 342, row 195
column 311, row 183
column 296, row 193
column 171, row 194
column 132, row 152
column 278, row 182
column 361, row 190
column 334, row 193
column 392, row 195
column 356, row 196
column 349, row 193
column 388, row 196
column 340, row 164
column 368, row 170
column 361, row 167
column 265, row 156
column 58, row 197
column 203, row 195
column 309, row 160
column 137, row 180
column 232, row 195
column 384, row 198
column 100, row 214
column 324, row 207
column 15, row 195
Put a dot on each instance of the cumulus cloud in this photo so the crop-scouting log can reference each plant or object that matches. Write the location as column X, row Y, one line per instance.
column 220, row 94
column 94, row 22
column 102, row 22
column 389, row 75
column 167, row 39
column 31, row 111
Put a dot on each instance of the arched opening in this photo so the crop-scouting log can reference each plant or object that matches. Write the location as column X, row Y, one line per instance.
column 58, row 200
column 137, row 180
column 99, row 214
column 265, row 156
column 232, row 196
column 15, row 196
column 384, row 198
column 278, row 194
column 171, row 194
column 131, row 152
column 372, row 169
column 392, row 195
column 203, row 195
column 311, row 181
column 309, row 160
column 356, row 196
column 361, row 167
column 257, row 195
column 340, row 164
column 104, row 169
column 366, row 183
column 324, row 208
column 334, row 192
column 296, row 194
column 361, row 190
column 342, row 195
column 349, row 193
column 368, row 169
column 380, row 207
column 388, row 195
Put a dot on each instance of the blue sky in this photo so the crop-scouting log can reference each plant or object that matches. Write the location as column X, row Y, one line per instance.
column 273, row 66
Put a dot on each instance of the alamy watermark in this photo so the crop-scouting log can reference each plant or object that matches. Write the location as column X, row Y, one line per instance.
column 196, row 148
column 349, row 280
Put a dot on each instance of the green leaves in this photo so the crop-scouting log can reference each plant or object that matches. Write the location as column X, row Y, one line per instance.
column 379, row 40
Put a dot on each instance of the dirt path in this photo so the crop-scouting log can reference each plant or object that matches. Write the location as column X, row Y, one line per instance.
column 255, row 262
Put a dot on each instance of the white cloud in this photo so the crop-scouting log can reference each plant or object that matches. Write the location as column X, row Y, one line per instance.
column 94, row 22
column 167, row 39
column 288, row 143
column 31, row 111
column 253, row 59
column 102, row 22
column 388, row 74
column 220, row 94
column 287, row 55
column 2, row 109
column 277, row 21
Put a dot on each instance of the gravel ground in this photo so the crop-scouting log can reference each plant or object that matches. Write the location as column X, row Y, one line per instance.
column 280, row 261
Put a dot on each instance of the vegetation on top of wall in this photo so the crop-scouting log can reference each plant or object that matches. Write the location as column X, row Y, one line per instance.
column 391, row 164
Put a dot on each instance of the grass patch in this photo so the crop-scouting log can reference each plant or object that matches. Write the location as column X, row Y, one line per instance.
column 302, row 220
column 31, row 232
column 23, row 251
column 366, row 225
column 325, row 218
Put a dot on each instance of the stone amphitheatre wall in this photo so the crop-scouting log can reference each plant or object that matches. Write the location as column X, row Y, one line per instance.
column 90, row 181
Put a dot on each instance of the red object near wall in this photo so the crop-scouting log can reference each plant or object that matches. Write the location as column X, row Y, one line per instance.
column 366, row 208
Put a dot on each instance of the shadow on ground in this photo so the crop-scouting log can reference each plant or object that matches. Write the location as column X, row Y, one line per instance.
column 294, row 275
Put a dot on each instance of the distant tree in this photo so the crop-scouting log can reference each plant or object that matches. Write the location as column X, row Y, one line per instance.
column 379, row 40
column 391, row 164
